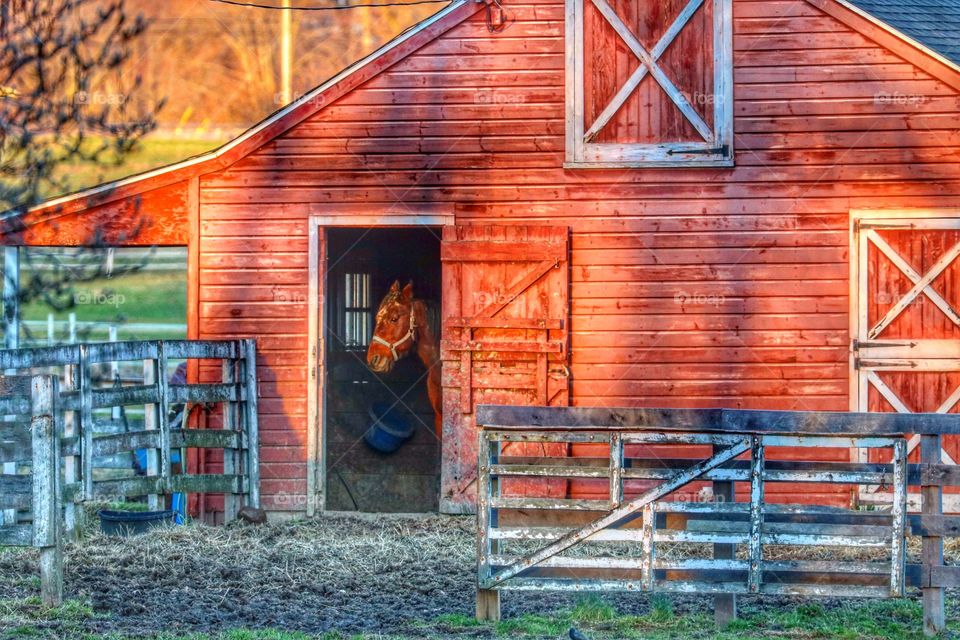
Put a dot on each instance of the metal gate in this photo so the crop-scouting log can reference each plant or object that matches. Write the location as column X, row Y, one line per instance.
column 906, row 323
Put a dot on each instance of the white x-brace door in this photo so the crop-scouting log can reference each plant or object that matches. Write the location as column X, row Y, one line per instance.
column 905, row 321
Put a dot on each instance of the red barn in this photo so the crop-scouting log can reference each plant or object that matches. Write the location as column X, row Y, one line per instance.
column 694, row 203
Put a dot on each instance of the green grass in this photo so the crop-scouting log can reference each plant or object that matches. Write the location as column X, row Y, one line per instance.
column 137, row 297
column 150, row 154
column 592, row 616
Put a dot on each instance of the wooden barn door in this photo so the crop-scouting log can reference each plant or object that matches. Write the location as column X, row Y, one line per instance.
column 505, row 312
column 907, row 339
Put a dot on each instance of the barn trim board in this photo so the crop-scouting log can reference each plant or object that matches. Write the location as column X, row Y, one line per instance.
column 316, row 344
column 870, row 353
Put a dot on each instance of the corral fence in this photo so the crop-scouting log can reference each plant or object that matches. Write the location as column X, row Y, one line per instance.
column 29, row 441
column 94, row 419
column 708, row 501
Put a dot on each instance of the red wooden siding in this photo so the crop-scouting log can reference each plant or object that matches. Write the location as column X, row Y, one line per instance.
column 649, row 115
column 154, row 217
column 689, row 287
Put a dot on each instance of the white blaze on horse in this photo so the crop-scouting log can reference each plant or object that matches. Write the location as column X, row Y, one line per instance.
column 404, row 324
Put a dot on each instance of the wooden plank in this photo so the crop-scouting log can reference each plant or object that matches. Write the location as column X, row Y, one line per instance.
column 203, row 393
column 205, row 439
column 205, row 349
column 505, row 323
column 14, row 405
column 617, row 514
column 717, row 420
column 120, row 396
column 16, row 535
column 934, row 608
column 492, row 250
column 251, row 422
column 47, row 495
column 121, row 351
column 25, row 359
column 123, row 443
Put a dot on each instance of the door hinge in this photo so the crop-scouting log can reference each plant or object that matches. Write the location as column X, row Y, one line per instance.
column 721, row 151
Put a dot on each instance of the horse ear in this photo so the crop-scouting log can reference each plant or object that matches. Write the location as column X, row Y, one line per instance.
column 408, row 292
column 395, row 287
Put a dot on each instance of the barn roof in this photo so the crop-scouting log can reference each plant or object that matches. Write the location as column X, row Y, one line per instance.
column 935, row 23
column 930, row 48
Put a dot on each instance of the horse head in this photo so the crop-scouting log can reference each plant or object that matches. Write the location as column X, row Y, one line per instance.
column 395, row 329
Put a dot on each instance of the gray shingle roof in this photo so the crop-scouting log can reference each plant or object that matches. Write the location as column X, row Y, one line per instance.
column 933, row 23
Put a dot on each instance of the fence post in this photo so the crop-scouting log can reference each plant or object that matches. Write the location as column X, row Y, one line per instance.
column 488, row 600
column 71, row 464
column 85, row 384
column 162, row 415
column 934, row 617
column 230, row 422
column 151, row 422
column 46, row 488
column 724, row 604
column 251, row 418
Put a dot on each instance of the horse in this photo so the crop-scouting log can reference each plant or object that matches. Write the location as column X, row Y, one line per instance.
column 403, row 323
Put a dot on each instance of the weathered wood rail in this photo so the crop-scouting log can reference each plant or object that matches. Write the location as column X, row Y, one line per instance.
column 30, row 441
column 84, row 404
column 666, row 517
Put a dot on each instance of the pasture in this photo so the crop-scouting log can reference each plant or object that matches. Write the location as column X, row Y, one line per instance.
column 367, row 577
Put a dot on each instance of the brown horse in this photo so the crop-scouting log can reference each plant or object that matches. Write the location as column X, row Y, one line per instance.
column 402, row 323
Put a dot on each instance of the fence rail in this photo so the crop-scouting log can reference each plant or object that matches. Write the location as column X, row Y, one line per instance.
column 31, row 441
column 594, row 499
column 88, row 403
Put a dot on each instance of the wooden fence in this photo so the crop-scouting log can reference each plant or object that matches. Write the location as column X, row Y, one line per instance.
column 30, row 441
column 690, row 501
column 87, row 404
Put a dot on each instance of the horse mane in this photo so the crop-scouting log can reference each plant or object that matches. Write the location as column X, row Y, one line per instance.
column 433, row 316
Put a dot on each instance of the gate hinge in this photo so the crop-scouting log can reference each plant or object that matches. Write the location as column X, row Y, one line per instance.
column 722, row 151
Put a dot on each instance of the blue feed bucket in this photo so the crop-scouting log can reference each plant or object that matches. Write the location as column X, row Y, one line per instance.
column 390, row 428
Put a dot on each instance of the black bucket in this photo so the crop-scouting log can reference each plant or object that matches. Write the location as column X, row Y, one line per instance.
column 129, row 523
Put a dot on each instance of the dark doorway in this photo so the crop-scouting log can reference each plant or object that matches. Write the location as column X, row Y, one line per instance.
column 362, row 264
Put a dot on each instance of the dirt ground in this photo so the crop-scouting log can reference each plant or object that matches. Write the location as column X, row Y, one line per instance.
column 375, row 575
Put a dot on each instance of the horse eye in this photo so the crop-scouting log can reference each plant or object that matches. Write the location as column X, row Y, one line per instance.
column 394, row 318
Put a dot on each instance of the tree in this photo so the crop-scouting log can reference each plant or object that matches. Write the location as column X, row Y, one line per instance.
column 66, row 98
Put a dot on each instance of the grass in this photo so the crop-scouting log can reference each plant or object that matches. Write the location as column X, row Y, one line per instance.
column 150, row 154
column 137, row 297
column 597, row 620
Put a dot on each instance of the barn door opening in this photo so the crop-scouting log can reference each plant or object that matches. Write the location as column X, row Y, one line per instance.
column 380, row 449
column 505, row 323
column 906, row 317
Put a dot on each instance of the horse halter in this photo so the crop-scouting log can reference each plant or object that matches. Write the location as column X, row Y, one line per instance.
column 410, row 335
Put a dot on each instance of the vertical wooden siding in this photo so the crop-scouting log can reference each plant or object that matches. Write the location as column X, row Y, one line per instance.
column 705, row 287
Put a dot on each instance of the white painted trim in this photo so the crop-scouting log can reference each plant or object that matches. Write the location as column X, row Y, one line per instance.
column 584, row 154
column 899, row 34
column 313, row 96
column 862, row 379
column 389, row 220
column 316, row 344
